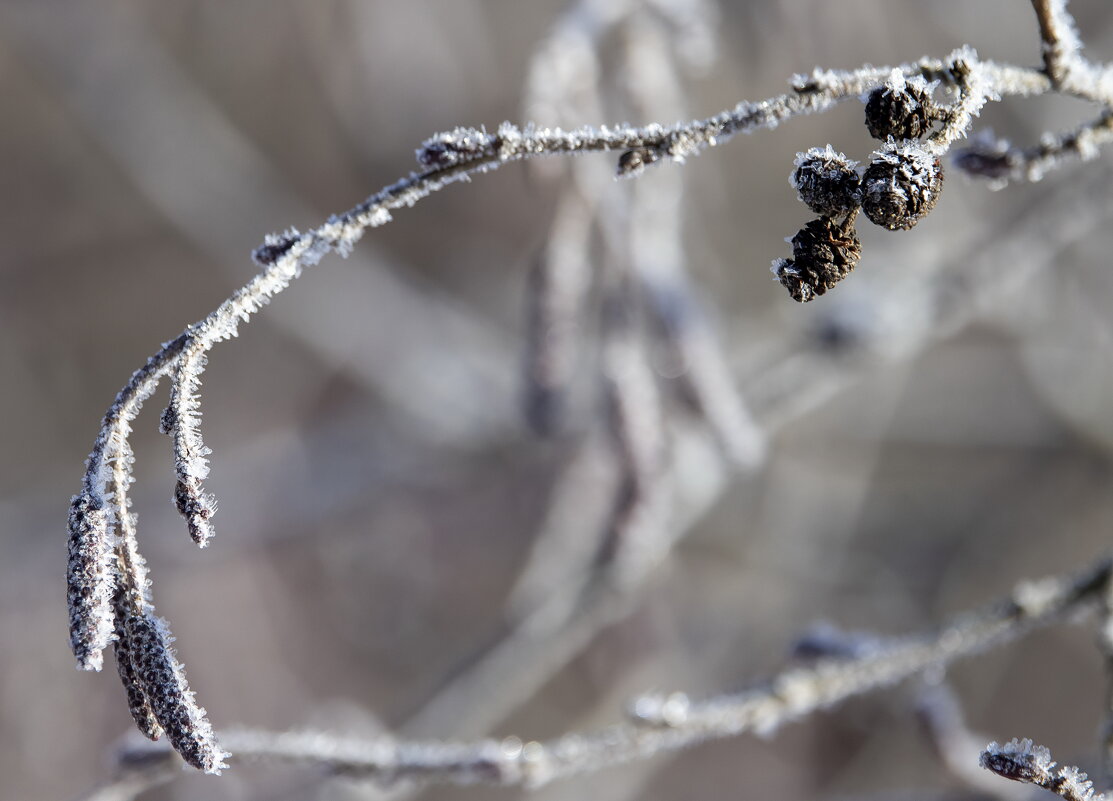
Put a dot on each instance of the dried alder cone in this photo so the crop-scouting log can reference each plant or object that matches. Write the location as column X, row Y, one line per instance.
column 827, row 181
column 900, row 110
column 901, row 185
column 823, row 253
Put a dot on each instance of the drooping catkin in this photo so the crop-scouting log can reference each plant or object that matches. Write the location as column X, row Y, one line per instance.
column 197, row 507
column 91, row 581
column 138, row 703
column 163, row 679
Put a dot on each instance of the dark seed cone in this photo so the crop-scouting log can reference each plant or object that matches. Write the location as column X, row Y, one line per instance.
column 900, row 187
column 823, row 253
column 826, row 181
column 900, row 113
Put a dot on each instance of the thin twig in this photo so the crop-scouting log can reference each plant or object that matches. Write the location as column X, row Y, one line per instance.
column 997, row 161
column 1061, row 45
column 1069, row 71
column 787, row 697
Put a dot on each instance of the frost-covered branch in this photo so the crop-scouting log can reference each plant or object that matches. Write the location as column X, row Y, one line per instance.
column 1061, row 44
column 109, row 597
column 663, row 723
column 1064, row 64
column 998, row 161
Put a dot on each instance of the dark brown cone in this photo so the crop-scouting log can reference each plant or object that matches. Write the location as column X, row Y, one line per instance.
column 823, row 253
column 899, row 190
column 827, row 183
column 900, row 113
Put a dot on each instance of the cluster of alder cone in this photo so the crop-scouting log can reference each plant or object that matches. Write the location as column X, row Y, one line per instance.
column 900, row 186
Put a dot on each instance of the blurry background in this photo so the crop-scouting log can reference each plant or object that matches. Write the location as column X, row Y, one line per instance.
column 379, row 492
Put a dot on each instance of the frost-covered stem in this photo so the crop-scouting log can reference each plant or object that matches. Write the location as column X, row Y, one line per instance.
column 666, row 723
column 1068, row 70
column 182, row 420
column 1000, row 163
column 455, row 156
column 976, row 88
column 1061, row 45
column 1023, row 761
column 103, row 550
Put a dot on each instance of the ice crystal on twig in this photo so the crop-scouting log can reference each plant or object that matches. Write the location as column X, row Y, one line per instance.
column 1023, row 761
column 454, row 147
column 1019, row 760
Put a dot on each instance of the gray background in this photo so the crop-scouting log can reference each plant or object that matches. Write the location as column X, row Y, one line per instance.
column 378, row 491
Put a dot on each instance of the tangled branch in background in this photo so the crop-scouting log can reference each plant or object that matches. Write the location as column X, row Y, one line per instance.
column 919, row 111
